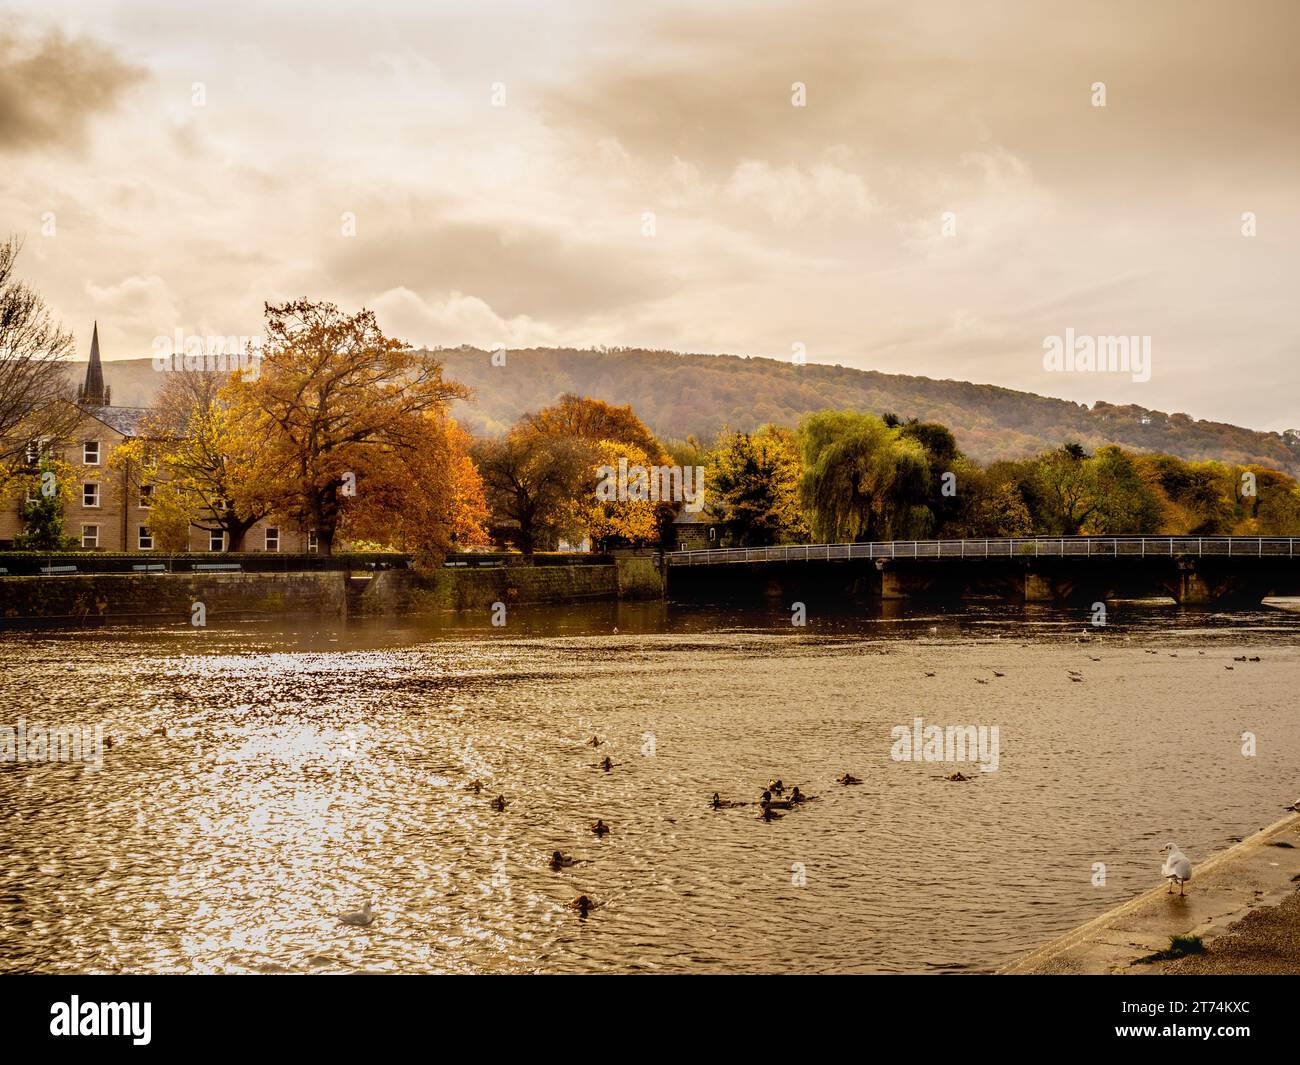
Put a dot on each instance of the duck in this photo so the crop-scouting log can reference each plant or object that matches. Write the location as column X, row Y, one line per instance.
column 561, row 861
column 600, row 828
column 847, row 778
column 582, row 904
column 769, row 803
column 499, row 803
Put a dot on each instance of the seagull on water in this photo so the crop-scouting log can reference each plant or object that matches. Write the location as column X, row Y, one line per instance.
column 1177, row 868
column 360, row 918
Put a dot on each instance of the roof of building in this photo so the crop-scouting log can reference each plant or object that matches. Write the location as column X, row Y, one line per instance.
column 126, row 420
column 687, row 517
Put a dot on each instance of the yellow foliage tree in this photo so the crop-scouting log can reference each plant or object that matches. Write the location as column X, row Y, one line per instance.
column 615, row 507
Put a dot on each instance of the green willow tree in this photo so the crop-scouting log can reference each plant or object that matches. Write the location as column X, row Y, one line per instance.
column 862, row 480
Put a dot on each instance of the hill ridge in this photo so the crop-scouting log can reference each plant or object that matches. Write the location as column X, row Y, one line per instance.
column 683, row 393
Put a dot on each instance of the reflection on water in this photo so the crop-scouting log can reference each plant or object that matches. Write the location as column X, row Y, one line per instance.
column 308, row 767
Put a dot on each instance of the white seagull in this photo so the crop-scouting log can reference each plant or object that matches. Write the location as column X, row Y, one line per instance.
column 1177, row 867
column 361, row 917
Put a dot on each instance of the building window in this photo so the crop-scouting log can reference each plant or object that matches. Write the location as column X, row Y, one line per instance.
column 216, row 540
column 146, row 496
column 311, row 541
column 146, row 538
column 90, row 453
column 90, row 494
column 272, row 538
column 90, row 536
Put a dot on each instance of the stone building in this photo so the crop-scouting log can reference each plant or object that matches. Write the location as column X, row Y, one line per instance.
column 108, row 513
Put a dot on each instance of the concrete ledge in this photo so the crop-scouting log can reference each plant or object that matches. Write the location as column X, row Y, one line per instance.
column 1223, row 889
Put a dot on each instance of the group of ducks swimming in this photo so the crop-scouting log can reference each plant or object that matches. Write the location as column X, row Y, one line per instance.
column 584, row 904
column 774, row 798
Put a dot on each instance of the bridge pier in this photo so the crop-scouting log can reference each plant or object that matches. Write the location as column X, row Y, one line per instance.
column 1038, row 588
column 1193, row 589
column 891, row 581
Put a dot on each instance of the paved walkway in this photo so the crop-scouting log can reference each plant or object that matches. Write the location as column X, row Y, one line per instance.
column 1260, row 871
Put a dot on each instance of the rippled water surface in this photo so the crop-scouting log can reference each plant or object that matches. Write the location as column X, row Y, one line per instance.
column 309, row 766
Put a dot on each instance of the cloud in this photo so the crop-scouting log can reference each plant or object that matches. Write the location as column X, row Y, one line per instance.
column 790, row 195
column 457, row 319
column 520, row 268
column 51, row 88
column 137, row 306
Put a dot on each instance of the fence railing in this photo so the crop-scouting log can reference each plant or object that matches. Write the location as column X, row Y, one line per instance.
column 66, row 563
column 1007, row 547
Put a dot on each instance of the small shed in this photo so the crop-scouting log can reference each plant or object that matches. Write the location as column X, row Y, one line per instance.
column 694, row 531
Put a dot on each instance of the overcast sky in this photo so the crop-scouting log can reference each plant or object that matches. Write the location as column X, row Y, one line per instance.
column 774, row 225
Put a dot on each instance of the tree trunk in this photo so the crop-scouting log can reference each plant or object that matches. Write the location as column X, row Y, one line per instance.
column 236, row 530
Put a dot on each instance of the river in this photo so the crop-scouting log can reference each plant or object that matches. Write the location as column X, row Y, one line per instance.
column 309, row 766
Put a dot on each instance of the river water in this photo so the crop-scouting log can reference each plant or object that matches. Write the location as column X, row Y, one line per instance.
column 310, row 766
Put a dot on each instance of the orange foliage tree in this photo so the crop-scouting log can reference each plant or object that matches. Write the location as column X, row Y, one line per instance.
column 344, row 426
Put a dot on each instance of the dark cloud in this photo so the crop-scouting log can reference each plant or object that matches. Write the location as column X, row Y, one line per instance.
column 51, row 87
column 516, row 269
column 1189, row 81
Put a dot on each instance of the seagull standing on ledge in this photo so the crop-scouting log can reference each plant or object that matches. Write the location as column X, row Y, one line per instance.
column 1177, row 867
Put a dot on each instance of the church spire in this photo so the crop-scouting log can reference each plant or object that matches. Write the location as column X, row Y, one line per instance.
column 93, row 393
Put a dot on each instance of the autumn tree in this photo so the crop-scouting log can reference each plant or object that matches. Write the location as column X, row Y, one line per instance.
column 186, row 458
column 593, row 420
column 613, row 514
column 1273, row 509
column 985, row 503
column 1199, row 497
column 532, row 481
column 424, row 499
column 335, row 401
column 753, row 487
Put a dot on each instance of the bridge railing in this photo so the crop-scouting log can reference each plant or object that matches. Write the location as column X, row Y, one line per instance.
column 1004, row 547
